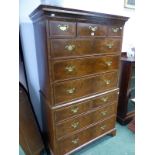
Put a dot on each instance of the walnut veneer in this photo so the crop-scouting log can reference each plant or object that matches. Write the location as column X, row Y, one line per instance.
column 78, row 54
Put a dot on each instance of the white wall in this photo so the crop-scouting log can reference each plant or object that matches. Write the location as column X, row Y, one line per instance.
column 105, row 6
column 26, row 7
column 29, row 52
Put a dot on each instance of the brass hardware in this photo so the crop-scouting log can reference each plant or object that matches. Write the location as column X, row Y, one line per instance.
column 103, row 127
column 75, row 141
column 70, row 47
column 107, row 81
column 104, row 99
column 70, row 68
column 93, row 28
column 75, row 125
column 110, row 45
column 104, row 113
column 108, row 63
column 75, row 109
column 63, row 27
column 71, row 91
column 115, row 30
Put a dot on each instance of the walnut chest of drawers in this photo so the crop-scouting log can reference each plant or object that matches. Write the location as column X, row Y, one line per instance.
column 78, row 54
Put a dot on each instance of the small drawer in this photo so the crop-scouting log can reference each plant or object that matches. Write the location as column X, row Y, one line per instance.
column 115, row 31
column 74, row 124
column 72, row 142
column 80, row 47
column 79, row 108
column 84, row 66
column 75, row 89
column 89, row 29
column 59, row 29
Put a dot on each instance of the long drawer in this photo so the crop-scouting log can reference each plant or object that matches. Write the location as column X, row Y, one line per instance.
column 79, row 108
column 82, row 137
column 74, row 89
column 80, row 47
column 84, row 66
column 74, row 124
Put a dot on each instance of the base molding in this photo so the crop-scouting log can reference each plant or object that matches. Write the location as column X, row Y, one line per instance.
column 125, row 120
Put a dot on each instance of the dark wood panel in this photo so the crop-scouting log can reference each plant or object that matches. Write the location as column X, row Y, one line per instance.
column 89, row 29
column 74, row 124
column 74, row 89
column 79, row 108
column 29, row 136
column 80, row 138
column 84, row 66
column 80, row 47
column 127, row 89
column 62, row 29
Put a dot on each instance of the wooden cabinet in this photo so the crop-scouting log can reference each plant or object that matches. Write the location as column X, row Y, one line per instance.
column 126, row 108
column 78, row 54
column 30, row 138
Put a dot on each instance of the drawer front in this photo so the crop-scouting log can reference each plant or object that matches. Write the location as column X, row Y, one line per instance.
column 62, row 29
column 74, row 89
column 84, row 66
column 80, row 47
column 89, row 29
column 82, row 137
column 79, row 108
column 115, row 31
column 74, row 124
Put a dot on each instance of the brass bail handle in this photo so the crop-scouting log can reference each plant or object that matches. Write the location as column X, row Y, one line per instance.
column 70, row 47
column 75, row 141
column 93, row 28
column 70, row 68
column 71, row 91
column 63, row 27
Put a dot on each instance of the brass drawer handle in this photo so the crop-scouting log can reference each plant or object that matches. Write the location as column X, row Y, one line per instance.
column 70, row 68
column 63, row 27
column 93, row 28
column 71, row 91
column 104, row 99
column 75, row 141
column 103, row 127
column 107, row 82
column 75, row 109
column 110, row 45
column 70, row 47
column 109, row 63
column 104, row 113
column 115, row 30
column 75, row 125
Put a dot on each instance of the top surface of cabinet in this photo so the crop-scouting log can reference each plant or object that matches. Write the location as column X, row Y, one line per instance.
column 46, row 10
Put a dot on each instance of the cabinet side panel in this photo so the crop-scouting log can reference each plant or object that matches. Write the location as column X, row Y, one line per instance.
column 42, row 57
